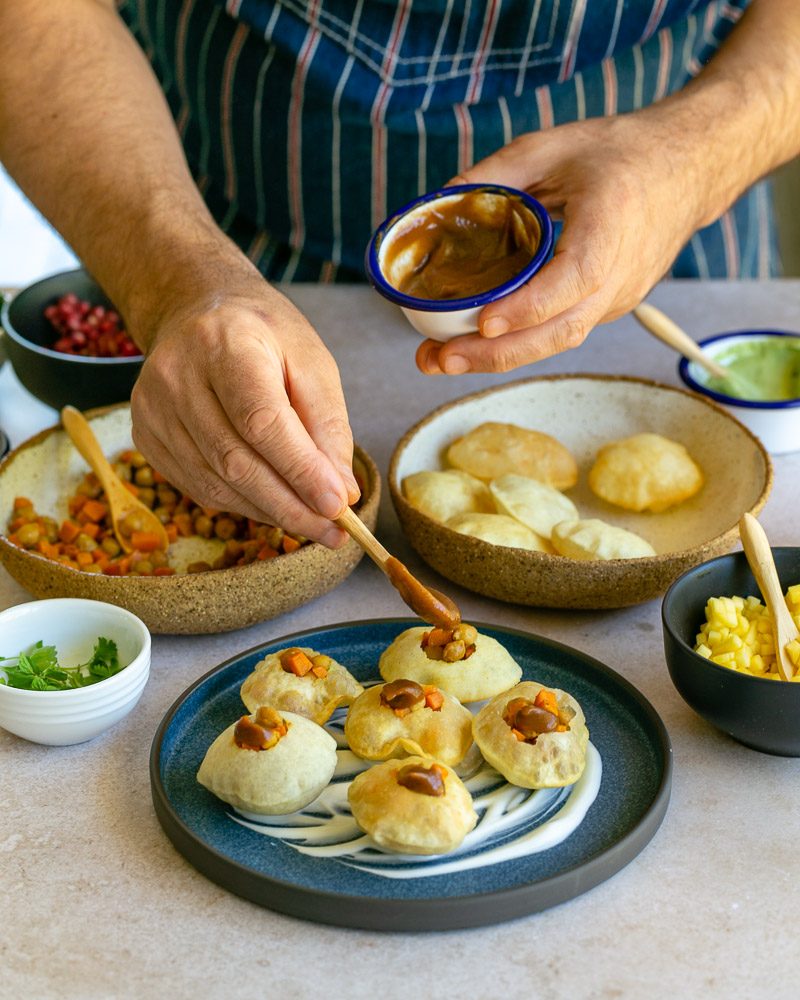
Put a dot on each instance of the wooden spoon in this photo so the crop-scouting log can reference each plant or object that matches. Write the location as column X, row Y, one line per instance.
column 668, row 331
column 759, row 556
column 431, row 606
column 121, row 501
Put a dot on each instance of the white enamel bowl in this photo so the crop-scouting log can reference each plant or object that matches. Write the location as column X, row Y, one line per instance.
column 73, row 625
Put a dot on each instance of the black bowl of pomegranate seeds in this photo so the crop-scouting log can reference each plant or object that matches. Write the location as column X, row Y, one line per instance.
column 67, row 343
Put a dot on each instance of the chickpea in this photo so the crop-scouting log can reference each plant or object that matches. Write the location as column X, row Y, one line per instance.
column 29, row 535
column 167, row 496
column 454, row 651
column 132, row 522
column 163, row 514
column 110, row 546
column 158, row 558
column 85, row 543
column 274, row 537
column 467, row 633
column 123, row 471
column 147, row 495
column 225, row 528
column 204, row 526
column 144, row 476
column 91, row 568
column 50, row 528
column 233, row 549
column 142, row 566
column 321, row 660
column 137, row 459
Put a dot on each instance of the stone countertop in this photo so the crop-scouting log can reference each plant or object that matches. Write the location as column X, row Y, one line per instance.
column 96, row 902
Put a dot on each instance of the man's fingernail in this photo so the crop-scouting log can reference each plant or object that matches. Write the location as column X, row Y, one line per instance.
column 454, row 364
column 334, row 538
column 495, row 326
column 329, row 505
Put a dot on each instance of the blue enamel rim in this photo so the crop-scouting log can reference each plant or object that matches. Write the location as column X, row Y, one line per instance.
column 484, row 298
column 720, row 397
column 428, row 913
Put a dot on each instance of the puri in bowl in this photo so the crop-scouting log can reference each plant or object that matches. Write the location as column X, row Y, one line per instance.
column 447, row 254
column 764, row 390
column 573, row 419
column 758, row 711
column 64, row 704
column 221, row 572
column 70, row 310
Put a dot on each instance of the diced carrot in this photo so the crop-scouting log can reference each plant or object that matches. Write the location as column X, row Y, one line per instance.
column 68, row 531
column 295, row 661
column 183, row 523
column 21, row 502
column 163, row 571
column 46, row 549
column 547, row 700
column 267, row 552
column 290, row 544
column 16, row 524
column 434, row 699
column 71, row 550
column 84, row 558
column 210, row 511
column 113, row 569
column 76, row 503
column 319, row 671
column 125, row 565
column 518, row 735
column 172, row 532
column 91, row 529
column 94, row 510
column 157, row 477
column 145, row 541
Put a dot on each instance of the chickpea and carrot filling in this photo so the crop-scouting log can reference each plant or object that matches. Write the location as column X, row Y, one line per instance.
column 295, row 661
column 738, row 634
column 404, row 696
column 262, row 732
column 528, row 719
column 423, row 780
column 450, row 644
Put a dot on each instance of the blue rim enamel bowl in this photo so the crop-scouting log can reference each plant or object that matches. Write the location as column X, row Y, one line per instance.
column 776, row 424
column 442, row 319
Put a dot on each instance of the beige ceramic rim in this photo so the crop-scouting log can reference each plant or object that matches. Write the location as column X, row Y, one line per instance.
column 654, row 573
column 217, row 601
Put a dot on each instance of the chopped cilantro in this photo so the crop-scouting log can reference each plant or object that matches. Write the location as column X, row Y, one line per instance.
column 38, row 669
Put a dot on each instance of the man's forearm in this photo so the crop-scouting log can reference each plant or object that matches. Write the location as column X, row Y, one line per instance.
column 87, row 134
column 740, row 118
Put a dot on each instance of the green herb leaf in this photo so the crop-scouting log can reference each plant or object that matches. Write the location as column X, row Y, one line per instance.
column 38, row 669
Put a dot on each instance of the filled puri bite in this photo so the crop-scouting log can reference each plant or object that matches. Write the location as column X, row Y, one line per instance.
column 461, row 661
column 534, row 736
column 269, row 763
column 403, row 718
column 300, row 680
column 495, row 449
column 645, row 472
column 413, row 806
column 443, row 494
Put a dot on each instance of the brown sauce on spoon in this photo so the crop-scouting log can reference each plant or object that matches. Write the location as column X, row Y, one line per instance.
column 430, row 605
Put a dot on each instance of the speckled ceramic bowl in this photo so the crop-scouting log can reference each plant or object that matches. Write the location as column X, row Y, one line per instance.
column 47, row 468
column 762, row 714
column 585, row 412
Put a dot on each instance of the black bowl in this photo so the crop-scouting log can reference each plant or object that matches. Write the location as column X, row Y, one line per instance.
column 58, row 379
column 762, row 714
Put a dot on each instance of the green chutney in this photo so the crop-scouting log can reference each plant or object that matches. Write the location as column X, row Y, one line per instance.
column 769, row 367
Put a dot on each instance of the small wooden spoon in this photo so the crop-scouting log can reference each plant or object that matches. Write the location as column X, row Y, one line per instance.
column 121, row 501
column 759, row 556
column 431, row 606
column 668, row 331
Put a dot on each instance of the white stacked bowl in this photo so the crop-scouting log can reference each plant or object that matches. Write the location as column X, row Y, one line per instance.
column 72, row 625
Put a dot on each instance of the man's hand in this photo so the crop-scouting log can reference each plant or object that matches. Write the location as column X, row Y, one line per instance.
column 240, row 405
column 626, row 216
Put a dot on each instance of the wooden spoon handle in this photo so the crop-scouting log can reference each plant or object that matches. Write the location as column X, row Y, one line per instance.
column 759, row 555
column 356, row 528
column 661, row 326
column 77, row 426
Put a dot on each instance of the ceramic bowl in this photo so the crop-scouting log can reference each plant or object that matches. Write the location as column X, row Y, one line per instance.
column 443, row 319
column 60, row 718
column 47, row 468
column 585, row 412
column 776, row 424
column 761, row 714
column 54, row 378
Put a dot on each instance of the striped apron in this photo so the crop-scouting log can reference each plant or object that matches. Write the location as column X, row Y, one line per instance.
column 305, row 124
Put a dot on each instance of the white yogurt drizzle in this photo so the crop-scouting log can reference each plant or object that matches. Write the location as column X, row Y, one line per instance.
column 526, row 821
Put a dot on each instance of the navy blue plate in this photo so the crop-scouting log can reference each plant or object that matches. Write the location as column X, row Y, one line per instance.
column 633, row 798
